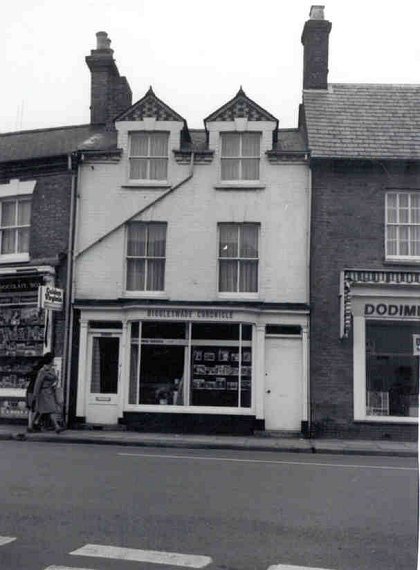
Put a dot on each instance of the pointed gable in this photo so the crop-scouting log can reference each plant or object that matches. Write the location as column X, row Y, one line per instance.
column 150, row 106
column 240, row 106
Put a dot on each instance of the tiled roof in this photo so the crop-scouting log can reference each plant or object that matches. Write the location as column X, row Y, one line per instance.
column 42, row 143
column 364, row 121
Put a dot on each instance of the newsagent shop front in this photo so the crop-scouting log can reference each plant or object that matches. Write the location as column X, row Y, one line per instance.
column 193, row 368
column 386, row 332
column 25, row 334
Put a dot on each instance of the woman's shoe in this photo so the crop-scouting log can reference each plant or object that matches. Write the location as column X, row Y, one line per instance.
column 58, row 430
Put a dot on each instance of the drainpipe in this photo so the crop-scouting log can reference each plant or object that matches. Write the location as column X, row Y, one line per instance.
column 68, row 316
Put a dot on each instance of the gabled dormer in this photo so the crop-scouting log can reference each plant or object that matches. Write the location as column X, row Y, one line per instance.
column 240, row 133
column 148, row 133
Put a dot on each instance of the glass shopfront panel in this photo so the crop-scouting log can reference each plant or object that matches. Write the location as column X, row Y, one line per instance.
column 216, row 374
column 392, row 385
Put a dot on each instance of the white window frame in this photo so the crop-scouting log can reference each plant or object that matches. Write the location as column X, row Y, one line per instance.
column 360, row 378
column 147, row 157
column 410, row 224
column 16, row 255
column 237, row 293
column 158, row 292
column 240, row 157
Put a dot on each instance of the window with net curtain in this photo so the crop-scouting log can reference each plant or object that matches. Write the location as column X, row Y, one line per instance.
column 403, row 224
column 15, row 221
column 149, row 156
column 146, row 249
column 240, row 156
column 238, row 257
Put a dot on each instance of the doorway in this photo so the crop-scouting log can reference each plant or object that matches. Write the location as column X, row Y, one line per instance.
column 283, row 383
column 103, row 378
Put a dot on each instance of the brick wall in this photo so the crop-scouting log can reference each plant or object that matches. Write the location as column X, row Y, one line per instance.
column 348, row 202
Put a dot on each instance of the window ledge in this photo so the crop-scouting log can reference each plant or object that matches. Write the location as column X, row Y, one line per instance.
column 240, row 185
column 144, row 295
column 153, row 184
column 388, row 419
column 239, row 296
column 402, row 261
column 14, row 257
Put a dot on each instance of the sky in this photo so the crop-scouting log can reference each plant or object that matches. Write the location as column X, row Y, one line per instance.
column 195, row 54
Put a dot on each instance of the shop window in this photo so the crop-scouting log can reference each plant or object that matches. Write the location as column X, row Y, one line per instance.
column 392, row 370
column 146, row 250
column 238, row 258
column 240, row 156
column 218, row 374
column 402, row 225
column 15, row 221
column 149, row 156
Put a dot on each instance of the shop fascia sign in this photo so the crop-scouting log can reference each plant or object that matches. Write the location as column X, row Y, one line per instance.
column 50, row 298
column 205, row 314
column 392, row 310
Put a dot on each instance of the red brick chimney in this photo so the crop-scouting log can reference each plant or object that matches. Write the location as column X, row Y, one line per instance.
column 110, row 93
column 315, row 50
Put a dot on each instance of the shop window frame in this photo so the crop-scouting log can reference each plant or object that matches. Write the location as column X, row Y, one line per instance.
column 189, row 342
column 360, row 375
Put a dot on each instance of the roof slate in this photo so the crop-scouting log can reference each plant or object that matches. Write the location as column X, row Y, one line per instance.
column 43, row 143
column 364, row 121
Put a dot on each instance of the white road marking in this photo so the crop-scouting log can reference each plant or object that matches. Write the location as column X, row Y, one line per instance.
column 137, row 555
column 6, row 539
column 269, row 461
column 289, row 567
column 65, row 568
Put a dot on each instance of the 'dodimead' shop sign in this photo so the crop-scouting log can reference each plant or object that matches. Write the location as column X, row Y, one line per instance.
column 392, row 310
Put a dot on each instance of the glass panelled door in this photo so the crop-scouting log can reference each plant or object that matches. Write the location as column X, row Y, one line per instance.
column 104, row 378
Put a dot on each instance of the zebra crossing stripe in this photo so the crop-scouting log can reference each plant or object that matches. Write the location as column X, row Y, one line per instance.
column 138, row 555
column 6, row 539
column 290, row 567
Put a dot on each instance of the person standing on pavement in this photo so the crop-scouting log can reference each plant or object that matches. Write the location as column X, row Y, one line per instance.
column 45, row 391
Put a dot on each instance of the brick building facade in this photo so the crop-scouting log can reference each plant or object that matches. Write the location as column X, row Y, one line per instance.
column 365, row 249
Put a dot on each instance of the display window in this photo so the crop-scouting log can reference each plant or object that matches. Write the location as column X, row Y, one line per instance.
column 191, row 364
column 392, row 370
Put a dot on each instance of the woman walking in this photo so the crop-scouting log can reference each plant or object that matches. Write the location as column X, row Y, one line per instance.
column 45, row 391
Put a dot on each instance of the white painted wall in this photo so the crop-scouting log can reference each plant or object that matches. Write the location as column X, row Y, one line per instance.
column 192, row 213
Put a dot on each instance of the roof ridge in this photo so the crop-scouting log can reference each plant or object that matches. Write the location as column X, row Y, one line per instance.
column 65, row 127
column 416, row 85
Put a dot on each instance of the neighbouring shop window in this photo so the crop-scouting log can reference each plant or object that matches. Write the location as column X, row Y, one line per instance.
column 238, row 258
column 218, row 372
column 149, row 156
column 240, row 156
column 392, row 371
column 15, row 221
column 402, row 224
column 146, row 250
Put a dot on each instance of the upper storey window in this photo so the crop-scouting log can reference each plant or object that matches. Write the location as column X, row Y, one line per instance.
column 403, row 225
column 240, row 156
column 15, row 220
column 149, row 156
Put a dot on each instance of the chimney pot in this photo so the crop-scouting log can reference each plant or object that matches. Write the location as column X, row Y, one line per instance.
column 317, row 12
column 102, row 41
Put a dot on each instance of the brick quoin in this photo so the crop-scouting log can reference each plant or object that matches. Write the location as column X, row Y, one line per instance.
column 348, row 225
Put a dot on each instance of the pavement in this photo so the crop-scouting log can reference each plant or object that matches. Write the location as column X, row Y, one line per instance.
column 264, row 441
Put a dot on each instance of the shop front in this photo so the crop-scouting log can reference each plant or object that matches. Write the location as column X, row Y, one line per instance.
column 25, row 334
column 386, row 326
column 192, row 368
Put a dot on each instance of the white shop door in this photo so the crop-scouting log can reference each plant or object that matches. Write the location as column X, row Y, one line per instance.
column 283, row 383
column 103, row 378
